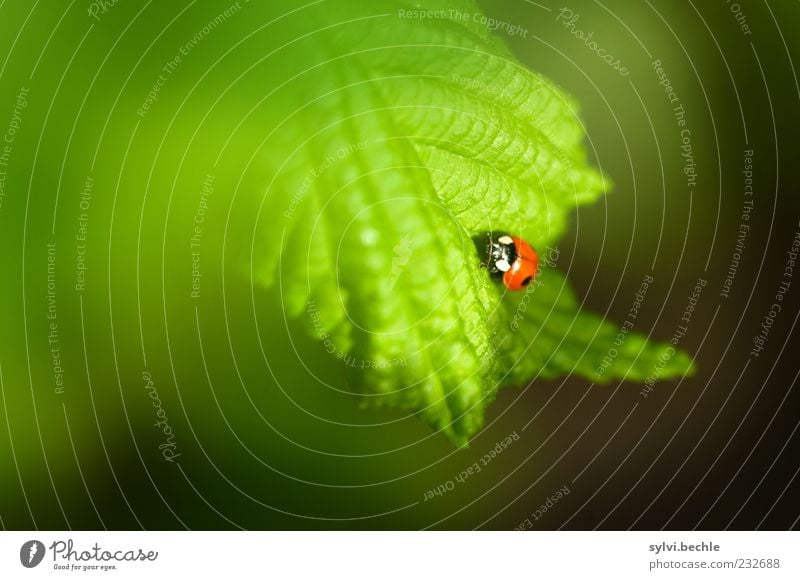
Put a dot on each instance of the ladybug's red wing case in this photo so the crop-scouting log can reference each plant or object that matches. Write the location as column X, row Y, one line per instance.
column 521, row 274
column 524, row 269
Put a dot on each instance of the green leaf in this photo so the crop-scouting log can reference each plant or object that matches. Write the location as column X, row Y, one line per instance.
column 394, row 140
column 557, row 337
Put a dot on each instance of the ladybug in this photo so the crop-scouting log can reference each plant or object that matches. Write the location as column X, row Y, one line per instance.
column 512, row 259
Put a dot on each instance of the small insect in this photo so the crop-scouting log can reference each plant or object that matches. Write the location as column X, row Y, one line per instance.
column 512, row 259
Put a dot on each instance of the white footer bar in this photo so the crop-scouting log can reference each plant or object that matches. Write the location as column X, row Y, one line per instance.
column 400, row 555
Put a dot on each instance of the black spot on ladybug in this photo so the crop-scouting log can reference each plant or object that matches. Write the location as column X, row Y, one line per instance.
column 527, row 280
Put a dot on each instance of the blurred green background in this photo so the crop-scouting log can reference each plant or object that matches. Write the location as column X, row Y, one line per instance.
column 260, row 440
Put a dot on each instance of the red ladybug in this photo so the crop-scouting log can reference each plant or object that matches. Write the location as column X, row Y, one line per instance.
column 512, row 259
